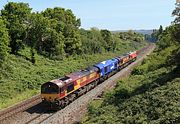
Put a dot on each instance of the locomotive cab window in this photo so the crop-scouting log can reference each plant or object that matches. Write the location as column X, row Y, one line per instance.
column 70, row 87
column 49, row 88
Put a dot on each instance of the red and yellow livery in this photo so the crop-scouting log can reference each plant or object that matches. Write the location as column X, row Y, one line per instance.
column 60, row 92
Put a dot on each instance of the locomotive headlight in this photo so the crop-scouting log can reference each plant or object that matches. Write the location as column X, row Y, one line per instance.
column 43, row 98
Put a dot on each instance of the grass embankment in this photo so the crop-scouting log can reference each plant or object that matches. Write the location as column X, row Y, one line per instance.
column 20, row 79
column 150, row 95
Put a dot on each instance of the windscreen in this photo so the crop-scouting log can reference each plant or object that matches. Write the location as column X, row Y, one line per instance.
column 49, row 88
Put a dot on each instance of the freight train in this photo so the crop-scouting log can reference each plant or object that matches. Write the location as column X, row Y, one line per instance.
column 60, row 92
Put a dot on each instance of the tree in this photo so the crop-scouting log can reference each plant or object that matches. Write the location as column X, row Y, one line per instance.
column 38, row 26
column 175, row 35
column 107, row 37
column 16, row 15
column 176, row 22
column 43, row 37
column 68, row 25
column 54, row 44
column 156, row 35
column 4, row 41
column 160, row 30
column 166, row 38
column 91, row 41
column 176, row 13
column 97, row 39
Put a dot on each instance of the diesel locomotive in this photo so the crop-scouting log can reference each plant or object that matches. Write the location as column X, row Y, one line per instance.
column 60, row 92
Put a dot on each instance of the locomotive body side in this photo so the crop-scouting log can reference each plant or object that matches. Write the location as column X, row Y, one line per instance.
column 60, row 92
column 126, row 59
column 107, row 67
column 82, row 78
column 67, row 85
column 133, row 55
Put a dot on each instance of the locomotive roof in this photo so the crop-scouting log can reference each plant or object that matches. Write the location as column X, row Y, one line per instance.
column 57, row 82
column 82, row 73
column 105, row 63
column 73, row 76
column 122, row 56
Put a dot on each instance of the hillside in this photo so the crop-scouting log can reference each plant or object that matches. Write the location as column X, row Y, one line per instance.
column 36, row 47
column 150, row 95
column 19, row 76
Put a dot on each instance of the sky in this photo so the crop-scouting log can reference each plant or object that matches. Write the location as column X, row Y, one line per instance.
column 112, row 14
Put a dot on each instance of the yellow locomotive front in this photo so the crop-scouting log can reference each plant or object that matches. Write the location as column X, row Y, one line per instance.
column 50, row 92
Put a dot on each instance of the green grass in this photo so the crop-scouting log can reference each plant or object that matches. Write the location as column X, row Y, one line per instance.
column 18, row 97
column 20, row 79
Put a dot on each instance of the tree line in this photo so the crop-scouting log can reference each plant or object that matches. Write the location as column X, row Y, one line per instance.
column 54, row 33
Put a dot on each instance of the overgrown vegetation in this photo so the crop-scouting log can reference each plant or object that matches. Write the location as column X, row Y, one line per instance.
column 38, row 47
column 151, row 94
column 4, row 41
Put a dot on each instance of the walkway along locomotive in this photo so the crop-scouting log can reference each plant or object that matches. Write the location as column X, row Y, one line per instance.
column 60, row 92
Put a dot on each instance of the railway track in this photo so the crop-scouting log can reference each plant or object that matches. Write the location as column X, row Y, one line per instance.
column 25, row 110
column 4, row 114
column 39, row 118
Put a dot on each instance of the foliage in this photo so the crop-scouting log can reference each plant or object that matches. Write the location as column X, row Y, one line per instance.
column 128, row 36
column 156, row 35
column 43, row 38
column 16, row 15
column 98, row 41
column 92, row 41
column 176, row 13
column 55, row 33
column 171, row 38
column 107, row 37
column 67, row 25
column 4, row 41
